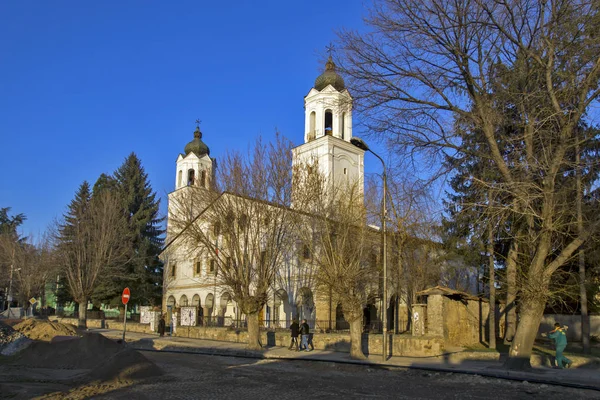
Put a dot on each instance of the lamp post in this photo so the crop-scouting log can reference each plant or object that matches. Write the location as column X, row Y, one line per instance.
column 363, row 146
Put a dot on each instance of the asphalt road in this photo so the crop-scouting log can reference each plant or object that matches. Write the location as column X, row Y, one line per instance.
column 191, row 376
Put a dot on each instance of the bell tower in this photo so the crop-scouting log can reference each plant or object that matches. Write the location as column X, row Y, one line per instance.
column 195, row 167
column 328, row 130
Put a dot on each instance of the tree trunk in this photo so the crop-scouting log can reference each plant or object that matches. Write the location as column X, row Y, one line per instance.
column 253, row 331
column 82, row 321
column 585, row 321
column 511, row 293
column 492, row 310
column 356, row 330
column 531, row 314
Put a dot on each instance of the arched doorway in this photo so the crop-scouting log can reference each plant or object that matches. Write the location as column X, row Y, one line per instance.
column 370, row 318
column 227, row 309
column 306, row 306
column 282, row 310
column 209, row 303
column 340, row 322
column 196, row 303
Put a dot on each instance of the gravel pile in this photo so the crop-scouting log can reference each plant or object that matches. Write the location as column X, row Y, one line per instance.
column 11, row 341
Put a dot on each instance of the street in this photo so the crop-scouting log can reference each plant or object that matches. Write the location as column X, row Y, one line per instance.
column 192, row 376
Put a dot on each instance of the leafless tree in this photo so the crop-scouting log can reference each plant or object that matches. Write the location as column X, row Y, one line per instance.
column 344, row 249
column 245, row 227
column 426, row 64
column 92, row 243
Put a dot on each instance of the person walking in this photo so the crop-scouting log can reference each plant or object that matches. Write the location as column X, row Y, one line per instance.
column 305, row 333
column 558, row 335
column 161, row 325
column 295, row 330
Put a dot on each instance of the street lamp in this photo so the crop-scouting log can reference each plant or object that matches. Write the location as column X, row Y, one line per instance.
column 363, row 146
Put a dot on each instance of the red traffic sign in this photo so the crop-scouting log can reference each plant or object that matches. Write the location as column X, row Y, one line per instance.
column 125, row 296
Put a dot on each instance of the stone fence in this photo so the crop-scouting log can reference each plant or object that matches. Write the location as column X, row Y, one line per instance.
column 107, row 324
column 399, row 345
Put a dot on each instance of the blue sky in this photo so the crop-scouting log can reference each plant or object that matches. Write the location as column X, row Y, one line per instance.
column 85, row 83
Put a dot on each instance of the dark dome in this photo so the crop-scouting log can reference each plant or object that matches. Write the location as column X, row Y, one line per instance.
column 197, row 146
column 330, row 77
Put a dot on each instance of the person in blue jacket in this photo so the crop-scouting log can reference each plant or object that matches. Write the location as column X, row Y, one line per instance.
column 558, row 335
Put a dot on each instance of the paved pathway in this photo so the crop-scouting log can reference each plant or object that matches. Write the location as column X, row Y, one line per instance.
column 584, row 376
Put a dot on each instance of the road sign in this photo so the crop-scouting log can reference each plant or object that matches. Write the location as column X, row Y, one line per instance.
column 32, row 300
column 125, row 296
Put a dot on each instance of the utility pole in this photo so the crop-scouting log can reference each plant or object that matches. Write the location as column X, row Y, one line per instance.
column 363, row 146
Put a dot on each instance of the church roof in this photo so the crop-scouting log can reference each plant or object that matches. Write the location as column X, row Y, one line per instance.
column 330, row 77
column 197, row 146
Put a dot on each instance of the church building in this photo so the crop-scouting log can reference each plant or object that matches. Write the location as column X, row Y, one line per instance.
column 190, row 282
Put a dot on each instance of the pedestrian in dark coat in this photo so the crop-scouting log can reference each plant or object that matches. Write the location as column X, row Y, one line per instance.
column 295, row 331
column 161, row 325
column 305, row 333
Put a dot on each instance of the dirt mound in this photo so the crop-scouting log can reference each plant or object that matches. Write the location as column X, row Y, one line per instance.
column 126, row 366
column 36, row 329
column 86, row 352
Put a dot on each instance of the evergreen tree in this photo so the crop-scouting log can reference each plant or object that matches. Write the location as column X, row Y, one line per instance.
column 142, row 208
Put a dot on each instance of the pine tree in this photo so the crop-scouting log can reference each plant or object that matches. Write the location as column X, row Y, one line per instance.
column 142, row 207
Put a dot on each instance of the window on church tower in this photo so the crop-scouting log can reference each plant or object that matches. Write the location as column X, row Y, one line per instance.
column 328, row 122
column 203, row 179
column 343, row 133
column 173, row 270
column 191, row 177
column 179, row 177
column 313, row 126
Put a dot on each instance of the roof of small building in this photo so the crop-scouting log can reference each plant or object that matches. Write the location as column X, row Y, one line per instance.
column 445, row 291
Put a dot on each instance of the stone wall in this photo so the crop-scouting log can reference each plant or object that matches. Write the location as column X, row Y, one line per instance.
column 107, row 324
column 465, row 322
column 372, row 344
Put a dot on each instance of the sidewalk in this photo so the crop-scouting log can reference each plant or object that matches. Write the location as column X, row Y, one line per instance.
column 587, row 377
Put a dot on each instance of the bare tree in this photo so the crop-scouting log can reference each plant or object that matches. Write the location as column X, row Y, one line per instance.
column 344, row 249
column 245, row 227
column 93, row 241
column 427, row 64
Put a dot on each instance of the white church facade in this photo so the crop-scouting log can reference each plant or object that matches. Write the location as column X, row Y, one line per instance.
column 191, row 284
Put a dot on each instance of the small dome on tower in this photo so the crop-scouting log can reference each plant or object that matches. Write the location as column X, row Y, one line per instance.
column 197, row 146
column 330, row 77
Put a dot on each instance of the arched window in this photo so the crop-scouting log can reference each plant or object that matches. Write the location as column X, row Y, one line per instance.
column 171, row 301
column 328, row 122
column 203, row 178
column 191, row 177
column 179, row 176
column 343, row 130
column 313, row 125
column 183, row 301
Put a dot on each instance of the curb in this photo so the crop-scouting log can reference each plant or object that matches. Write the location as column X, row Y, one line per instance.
column 505, row 374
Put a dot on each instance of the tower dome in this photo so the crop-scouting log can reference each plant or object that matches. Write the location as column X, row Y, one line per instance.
column 330, row 77
column 197, row 146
